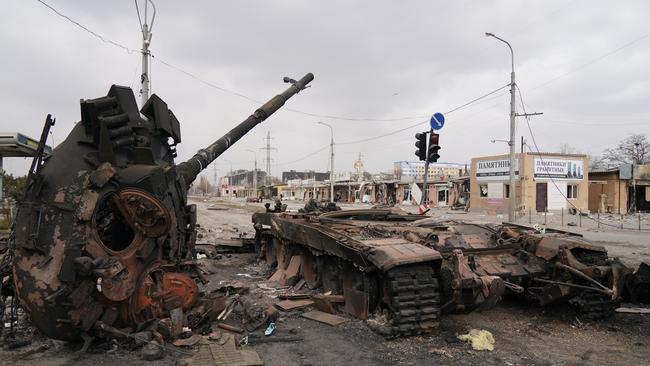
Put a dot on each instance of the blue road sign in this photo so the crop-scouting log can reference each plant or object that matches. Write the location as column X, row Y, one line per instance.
column 437, row 121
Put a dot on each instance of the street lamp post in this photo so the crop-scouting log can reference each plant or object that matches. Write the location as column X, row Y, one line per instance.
column 513, row 195
column 254, row 172
column 331, row 160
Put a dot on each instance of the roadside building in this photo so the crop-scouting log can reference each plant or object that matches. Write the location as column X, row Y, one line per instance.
column 409, row 171
column 292, row 175
column 620, row 190
column 545, row 182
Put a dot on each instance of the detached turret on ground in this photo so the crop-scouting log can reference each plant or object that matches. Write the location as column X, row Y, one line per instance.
column 105, row 235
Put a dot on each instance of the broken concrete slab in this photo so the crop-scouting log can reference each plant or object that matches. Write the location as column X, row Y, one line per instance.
column 329, row 319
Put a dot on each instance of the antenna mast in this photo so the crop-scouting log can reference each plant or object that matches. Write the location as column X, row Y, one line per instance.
column 146, row 41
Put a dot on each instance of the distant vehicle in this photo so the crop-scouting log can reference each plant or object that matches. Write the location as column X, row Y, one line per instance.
column 253, row 199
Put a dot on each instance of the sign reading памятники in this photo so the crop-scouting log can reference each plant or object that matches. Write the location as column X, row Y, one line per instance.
column 495, row 169
column 559, row 169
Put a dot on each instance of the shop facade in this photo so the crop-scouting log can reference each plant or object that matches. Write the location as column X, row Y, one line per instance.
column 543, row 182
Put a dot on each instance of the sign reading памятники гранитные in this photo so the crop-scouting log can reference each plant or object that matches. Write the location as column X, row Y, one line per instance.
column 495, row 169
column 559, row 169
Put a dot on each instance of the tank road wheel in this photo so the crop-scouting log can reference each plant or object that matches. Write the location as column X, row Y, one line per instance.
column 414, row 299
column 309, row 269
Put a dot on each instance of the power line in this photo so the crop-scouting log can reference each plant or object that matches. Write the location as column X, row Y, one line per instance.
column 96, row 35
column 304, row 157
column 593, row 61
column 597, row 124
column 212, row 85
column 425, row 121
column 539, row 154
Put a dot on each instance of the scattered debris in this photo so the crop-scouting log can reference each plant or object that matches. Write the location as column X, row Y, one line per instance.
column 222, row 351
column 153, row 350
column 217, row 208
column 292, row 296
column 253, row 339
column 441, row 352
column 633, row 310
column 323, row 304
column 269, row 330
column 481, row 340
column 233, row 287
column 289, row 305
column 230, row 328
column 188, row 342
column 329, row 319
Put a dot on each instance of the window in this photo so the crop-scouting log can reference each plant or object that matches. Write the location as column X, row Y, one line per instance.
column 483, row 190
column 572, row 191
column 506, row 190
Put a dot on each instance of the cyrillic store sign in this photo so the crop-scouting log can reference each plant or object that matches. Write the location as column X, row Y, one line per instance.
column 495, row 169
column 559, row 169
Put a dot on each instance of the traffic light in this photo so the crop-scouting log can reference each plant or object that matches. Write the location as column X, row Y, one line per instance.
column 432, row 155
column 421, row 144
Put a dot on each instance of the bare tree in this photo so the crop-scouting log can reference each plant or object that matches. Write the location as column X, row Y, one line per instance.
column 597, row 162
column 204, row 185
column 634, row 149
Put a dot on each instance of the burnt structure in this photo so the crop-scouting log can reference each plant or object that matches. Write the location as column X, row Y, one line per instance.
column 292, row 174
column 416, row 268
column 105, row 236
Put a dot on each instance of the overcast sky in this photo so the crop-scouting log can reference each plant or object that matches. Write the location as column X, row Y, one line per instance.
column 584, row 63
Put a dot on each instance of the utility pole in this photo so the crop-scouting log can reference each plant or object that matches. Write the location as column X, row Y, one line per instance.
column 254, row 171
column 268, row 149
column 425, row 199
column 513, row 193
column 216, row 185
column 146, row 42
column 331, row 160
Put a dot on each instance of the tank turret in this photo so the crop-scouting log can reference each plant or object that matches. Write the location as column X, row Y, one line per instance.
column 105, row 235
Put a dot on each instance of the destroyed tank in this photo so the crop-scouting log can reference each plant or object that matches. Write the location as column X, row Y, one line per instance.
column 104, row 237
column 415, row 268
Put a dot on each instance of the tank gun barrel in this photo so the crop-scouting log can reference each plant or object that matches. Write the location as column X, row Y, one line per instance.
column 191, row 168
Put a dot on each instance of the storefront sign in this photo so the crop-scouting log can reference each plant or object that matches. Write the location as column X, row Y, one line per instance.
column 559, row 169
column 495, row 170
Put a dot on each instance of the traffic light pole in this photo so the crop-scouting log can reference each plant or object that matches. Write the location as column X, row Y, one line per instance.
column 426, row 175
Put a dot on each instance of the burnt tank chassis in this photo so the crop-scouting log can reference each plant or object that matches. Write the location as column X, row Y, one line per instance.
column 418, row 268
column 105, row 235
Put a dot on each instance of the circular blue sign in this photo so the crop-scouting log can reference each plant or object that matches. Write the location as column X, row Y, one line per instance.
column 437, row 121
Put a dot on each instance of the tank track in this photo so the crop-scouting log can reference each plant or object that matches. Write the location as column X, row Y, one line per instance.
column 411, row 293
column 414, row 300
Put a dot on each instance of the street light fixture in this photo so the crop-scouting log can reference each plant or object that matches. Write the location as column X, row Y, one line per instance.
column 513, row 193
column 331, row 160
